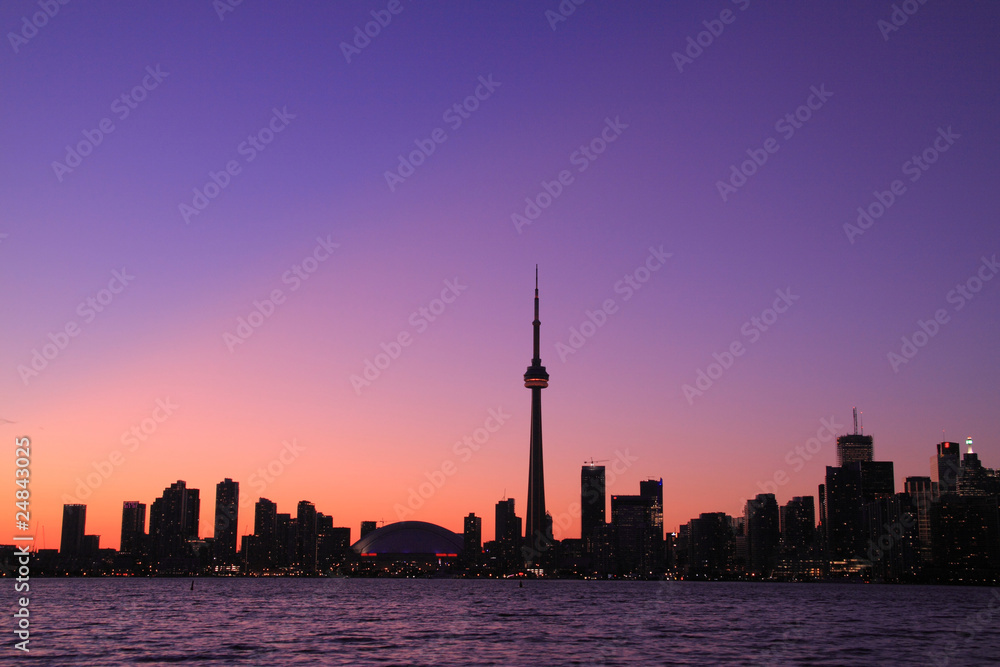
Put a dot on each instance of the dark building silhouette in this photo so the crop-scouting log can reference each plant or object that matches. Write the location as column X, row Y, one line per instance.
column 762, row 534
column 878, row 480
column 472, row 538
column 173, row 522
column 507, row 538
column 652, row 491
column 842, row 522
column 973, row 478
column 90, row 546
column 227, row 501
column 593, row 501
column 368, row 527
column 854, row 447
column 286, row 547
column 73, row 528
column 945, row 467
column 133, row 528
column 538, row 530
column 306, row 537
column 710, row 539
column 332, row 542
column 920, row 490
column 264, row 548
column 966, row 538
column 798, row 556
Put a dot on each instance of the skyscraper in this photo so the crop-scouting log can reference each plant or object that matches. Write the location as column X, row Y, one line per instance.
column 306, row 536
column 265, row 529
column 855, row 447
column 762, row 534
column 133, row 527
column 368, row 527
column 173, row 520
column 507, row 536
column 227, row 502
column 945, row 467
column 537, row 531
column 472, row 534
column 593, row 501
column 73, row 523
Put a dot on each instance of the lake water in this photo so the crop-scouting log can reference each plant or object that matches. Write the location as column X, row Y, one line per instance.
column 286, row 621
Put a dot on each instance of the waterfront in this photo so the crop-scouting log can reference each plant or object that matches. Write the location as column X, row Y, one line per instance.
column 288, row 621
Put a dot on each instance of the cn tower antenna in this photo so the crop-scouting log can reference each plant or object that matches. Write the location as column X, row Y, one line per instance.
column 855, row 421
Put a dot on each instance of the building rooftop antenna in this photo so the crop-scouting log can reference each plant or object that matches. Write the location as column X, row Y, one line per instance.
column 862, row 422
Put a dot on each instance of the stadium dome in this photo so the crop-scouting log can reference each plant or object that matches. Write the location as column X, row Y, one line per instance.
column 409, row 537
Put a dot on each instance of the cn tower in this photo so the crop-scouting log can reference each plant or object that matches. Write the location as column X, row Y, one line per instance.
column 535, row 378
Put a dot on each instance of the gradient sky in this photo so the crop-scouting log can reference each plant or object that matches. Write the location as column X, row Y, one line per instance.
column 363, row 453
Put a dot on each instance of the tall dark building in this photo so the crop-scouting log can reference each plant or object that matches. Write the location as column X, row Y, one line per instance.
column 285, row 547
column 538, row 535
column 878, row 481
column 593, row 502
column 710, row 539
column 945, row 467
column 472, row 543
column 973, row 478
column 920, row 490
column 368, row 527
column 507, row 535
column 173, row 520
column 227, row 502
column 798, row 532
column 652, row 491
column 306, row 537
column 265, row 529
column 133, row 527
column 842, row 522
column 73, row 528
column 854, row 447
column 762, row 533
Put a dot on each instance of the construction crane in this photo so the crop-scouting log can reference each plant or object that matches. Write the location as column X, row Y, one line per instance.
column 592, row 461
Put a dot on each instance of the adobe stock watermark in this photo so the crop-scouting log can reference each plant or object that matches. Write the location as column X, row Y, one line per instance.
column 419, row 320
column 581, row 158
column 122, row 107
column 962, row 294
column 131, row 439
column 629, row 284
column 455, row 116
column 914, row 168
column 752, row 330
column 249, row 148
column 900, row 14
column 261, row 479
column 223, row 7
column 266, row 474
column 463, row 450
column 713, row 30
column 563, row 11
column 787, row 125
column 88, row 310
column 38, row 20
column 294, row 277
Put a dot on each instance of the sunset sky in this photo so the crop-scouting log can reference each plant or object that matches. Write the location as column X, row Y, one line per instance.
column 677, row 170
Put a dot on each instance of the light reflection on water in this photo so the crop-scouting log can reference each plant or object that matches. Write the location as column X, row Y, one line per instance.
column 283, row 621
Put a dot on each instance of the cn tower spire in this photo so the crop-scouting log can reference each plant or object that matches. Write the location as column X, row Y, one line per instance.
column 537, row 532
column 536, row 359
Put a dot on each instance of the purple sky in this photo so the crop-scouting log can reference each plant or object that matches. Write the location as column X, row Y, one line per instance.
column 879, row 98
